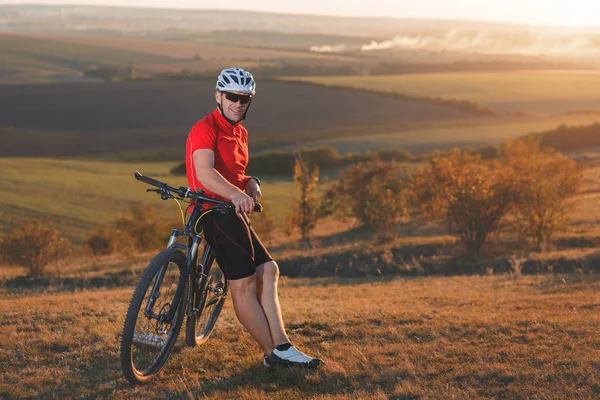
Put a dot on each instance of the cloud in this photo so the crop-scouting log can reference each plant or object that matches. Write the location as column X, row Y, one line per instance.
column 328, row 49
column 494, row 43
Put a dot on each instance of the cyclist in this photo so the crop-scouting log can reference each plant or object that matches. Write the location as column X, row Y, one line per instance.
column 216, row 160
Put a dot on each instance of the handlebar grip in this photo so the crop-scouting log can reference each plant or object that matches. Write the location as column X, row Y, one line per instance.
column 258, row 207
column 147, row 180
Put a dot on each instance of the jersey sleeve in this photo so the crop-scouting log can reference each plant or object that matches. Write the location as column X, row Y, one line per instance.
column 202, row 136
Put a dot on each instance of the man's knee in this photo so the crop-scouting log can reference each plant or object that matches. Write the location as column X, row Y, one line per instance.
column 243, row 285
column 268, row 270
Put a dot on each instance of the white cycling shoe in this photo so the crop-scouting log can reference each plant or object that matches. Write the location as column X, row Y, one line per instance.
column 292, row 357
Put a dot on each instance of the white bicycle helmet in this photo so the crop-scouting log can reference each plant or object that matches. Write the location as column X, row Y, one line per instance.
column 236, row 80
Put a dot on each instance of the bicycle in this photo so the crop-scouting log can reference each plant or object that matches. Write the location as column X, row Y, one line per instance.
column 176, row 284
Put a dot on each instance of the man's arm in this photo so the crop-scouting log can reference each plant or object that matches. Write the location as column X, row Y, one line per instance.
column 210, row 178
column 253, row 188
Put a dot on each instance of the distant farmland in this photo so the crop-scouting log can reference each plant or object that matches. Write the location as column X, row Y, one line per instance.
column 475, row 134
column 27, row 59
column 92, row 118
column 60, row 58
column 541, row 92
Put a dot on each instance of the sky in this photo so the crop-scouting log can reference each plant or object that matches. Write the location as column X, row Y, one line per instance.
column 576, row 13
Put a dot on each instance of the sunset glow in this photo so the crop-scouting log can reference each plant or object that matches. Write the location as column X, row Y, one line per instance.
column 576, row 13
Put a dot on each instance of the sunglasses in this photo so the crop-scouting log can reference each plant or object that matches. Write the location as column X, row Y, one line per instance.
column 234, row 97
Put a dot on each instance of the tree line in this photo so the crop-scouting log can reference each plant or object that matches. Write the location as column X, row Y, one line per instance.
column 522, row 190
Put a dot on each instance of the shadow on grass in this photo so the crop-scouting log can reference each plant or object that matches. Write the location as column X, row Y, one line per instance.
column 576, row 243
column 407, row 260
column 352, row 235
column 24, row 284
column 310, row 383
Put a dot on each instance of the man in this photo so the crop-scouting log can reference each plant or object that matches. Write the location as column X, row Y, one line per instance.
column 216, row 160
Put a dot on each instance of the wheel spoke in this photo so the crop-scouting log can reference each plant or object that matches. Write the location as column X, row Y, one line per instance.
column 148, row 337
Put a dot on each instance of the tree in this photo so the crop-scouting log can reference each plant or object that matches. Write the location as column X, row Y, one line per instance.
column 34, row 246
column 141, row 229
column 470, row 194
column 304, row 213
column 265, row 225
column 374, row 192
column 546, row 180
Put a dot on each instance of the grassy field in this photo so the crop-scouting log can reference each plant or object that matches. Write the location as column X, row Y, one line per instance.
column 467, row 133
column 135, row 121
column 27, row 58
column 124, row 116
column 36, row 59
column 463, row 337
column 479, row 337
column 77, row 195
column 538, row 92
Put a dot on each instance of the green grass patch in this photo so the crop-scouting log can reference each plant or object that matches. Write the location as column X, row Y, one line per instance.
column 76, row 195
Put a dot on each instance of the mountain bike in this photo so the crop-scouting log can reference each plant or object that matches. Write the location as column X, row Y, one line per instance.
column 175, row 285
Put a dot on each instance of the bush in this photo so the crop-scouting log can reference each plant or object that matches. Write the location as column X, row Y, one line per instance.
column 33, row 246
column 374, row 192
column 281, row 163
column 546, row 180
column 471, row 195
column 304, row 212
column 179, row 169
column 101, row 241
column 526, row 184
column 571, row 138
column 395, row 155
column 264, row 224
column 141, row 229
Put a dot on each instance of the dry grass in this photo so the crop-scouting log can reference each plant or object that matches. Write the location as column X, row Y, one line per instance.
column 530, row 91
column 34, row 58
column 186, row 50
column 474, row 133
column 424, row 338
column 463, row 337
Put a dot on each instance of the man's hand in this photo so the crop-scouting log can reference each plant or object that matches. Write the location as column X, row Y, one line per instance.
column 253, row 190
column 243, row 202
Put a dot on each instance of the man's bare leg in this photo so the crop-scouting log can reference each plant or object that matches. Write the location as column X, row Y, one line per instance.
column 250, row 312
column 267, row 275
column 284, row 353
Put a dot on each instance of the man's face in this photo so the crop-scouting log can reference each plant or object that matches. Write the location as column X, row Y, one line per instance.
column 234, row 104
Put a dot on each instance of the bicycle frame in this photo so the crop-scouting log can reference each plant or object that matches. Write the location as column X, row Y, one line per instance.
column 190, row 272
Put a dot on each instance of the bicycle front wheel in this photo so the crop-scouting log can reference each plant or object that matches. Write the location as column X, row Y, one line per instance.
column 208, row 303
column 148, row 336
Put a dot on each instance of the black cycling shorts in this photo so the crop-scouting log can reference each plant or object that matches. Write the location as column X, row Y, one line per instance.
column 237, row 248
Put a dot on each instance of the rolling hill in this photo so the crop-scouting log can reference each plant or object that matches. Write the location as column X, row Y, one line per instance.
column 29, row 58
column 535, row 92
column 91, row 118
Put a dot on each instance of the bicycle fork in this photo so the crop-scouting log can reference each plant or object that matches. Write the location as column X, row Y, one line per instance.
column 192, row 252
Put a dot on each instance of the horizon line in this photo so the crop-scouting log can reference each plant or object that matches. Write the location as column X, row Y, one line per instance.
column 303, row 14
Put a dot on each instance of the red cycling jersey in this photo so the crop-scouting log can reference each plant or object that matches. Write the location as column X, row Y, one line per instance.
column 230, row 145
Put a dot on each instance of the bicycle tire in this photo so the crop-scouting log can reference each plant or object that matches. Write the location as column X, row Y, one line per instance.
column 134, row 343
column 209, row 303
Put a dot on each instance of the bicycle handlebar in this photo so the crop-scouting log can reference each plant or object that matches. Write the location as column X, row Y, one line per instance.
column 185, row 192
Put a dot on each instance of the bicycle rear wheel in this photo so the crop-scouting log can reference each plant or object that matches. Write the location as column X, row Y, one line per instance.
column 207, row 307
column 148, row 338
